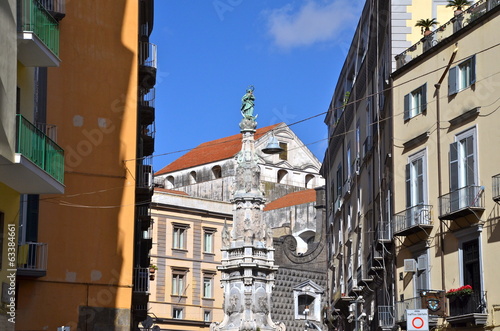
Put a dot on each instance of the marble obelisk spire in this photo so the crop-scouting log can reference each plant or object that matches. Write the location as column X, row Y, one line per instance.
column 247, row 250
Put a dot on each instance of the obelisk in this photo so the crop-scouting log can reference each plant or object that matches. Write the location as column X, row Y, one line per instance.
column 247, row 250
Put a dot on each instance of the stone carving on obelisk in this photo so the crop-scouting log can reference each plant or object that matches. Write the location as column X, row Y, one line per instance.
column 247, row 249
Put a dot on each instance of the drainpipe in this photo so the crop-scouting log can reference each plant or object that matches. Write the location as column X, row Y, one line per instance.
column 439, row 172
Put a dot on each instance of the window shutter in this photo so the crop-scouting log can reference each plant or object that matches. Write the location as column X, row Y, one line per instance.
column 420, row 181
column 452, row 81
column 473, row 69
column 471, row 178
column 408, row 186
column 407, row 107
column 453, row 166
column 424, row 98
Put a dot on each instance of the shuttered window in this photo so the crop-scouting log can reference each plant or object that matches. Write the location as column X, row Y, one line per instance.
column 462, row 76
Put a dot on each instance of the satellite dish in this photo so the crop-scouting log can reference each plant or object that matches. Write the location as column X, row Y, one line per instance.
column 148, row 322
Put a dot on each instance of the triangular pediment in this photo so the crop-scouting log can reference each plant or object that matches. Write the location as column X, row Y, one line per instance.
column 308, row 286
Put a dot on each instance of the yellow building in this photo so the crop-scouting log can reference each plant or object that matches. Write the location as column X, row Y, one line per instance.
column 31, row 162
column 446, row 182
column 82, row 267
column 188, row 231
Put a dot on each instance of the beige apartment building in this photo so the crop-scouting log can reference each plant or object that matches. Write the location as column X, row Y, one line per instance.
column 446, row 173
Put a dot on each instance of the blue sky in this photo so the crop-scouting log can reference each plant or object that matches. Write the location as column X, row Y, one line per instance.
column 210, row 51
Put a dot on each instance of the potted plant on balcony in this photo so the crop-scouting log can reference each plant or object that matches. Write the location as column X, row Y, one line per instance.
column 458, row 5
column 152, row 270
column 465, row 290
column 425, row 24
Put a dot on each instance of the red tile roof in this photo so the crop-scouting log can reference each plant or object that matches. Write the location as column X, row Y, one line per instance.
column 211, row 151
column 159, row 189
column 292, row 199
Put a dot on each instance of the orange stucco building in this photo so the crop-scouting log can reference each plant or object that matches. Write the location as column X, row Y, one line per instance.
column 98, row 98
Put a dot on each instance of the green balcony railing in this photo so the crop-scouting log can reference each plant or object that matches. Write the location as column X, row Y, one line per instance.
column 34, row 17
column 39, row 149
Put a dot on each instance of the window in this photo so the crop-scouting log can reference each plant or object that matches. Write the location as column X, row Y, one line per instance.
column 309, row 181
column 217, row 172
column 416, row 180
column 208, row 240
column 192, row 177
column 282, row 176
column 470, row 264
column 170, row 182
column 284, row 155
column 207, row 316
column 208, row 286
column 179, row 235
column 462, row 76
column 339, row 181
column 421, row 277
column 348, row 157
column 463, row 170
column 178, row 313
column 415, row 102
column 178, row 281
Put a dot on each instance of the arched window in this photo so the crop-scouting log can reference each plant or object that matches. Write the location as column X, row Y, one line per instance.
column 170, row 182
column 282, row 176
column 217, row 172
column 192, row 177
column 309, row 181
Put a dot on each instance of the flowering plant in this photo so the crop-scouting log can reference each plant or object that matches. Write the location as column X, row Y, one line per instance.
column 464, row 290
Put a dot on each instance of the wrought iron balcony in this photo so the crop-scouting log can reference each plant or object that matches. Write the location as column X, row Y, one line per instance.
column 385, row 317
column 148, row 139
column 496, row 187
column 444, row 31
column 39, row 149
column 147, row 64
column 147, row 106
column 468, row 309
column 402, row 306
column 141, row 280
column 38, row 41
column 462, row 202
column 411, row 220
column 38, row 165
column 32, row 259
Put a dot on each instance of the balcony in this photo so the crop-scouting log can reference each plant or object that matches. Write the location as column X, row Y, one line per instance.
column 32, row 259
column 386, row 317
column 422, row 302
column 403, row 306
column 463, row 202
column 56, row 8
column 38, row 35
column 141, row 280
column 466, row 310
column 147, row 65
column 413, row 220
column 144, row 180
column 38, row 166
column 383, row 234
column 496, row 188
column 148, row 139
column 144, row 217
column 442, row 33
column 147, row 107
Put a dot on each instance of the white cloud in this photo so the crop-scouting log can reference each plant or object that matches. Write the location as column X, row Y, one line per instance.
column 312, row 23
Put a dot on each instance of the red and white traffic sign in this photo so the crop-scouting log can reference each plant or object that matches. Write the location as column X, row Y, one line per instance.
column 417, row 320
